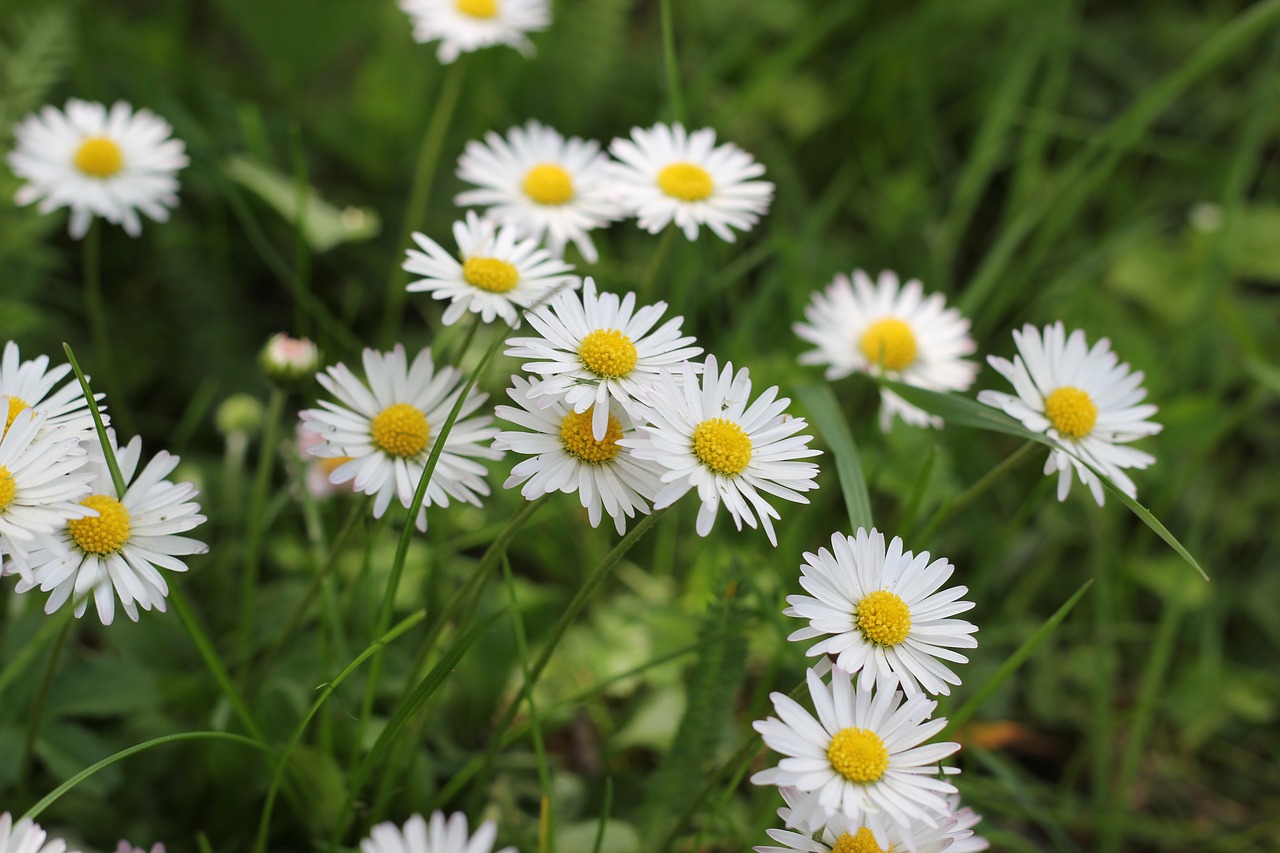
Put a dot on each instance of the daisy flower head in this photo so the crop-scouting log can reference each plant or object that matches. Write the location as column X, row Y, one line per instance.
column 441, row 835
column 864, row 756
column 317, row 469
column 884, row 329
column 103, row 162
column 118, row 551
column 498, row 273
column 598, row 346
column 462, row 26
column 841, row 835
column 566, row 457
column 709, row 436
column 25, row 836
column 31, row 385
column 1088, row 403
column 883, row 613
column 548, row 187
column 388, row 425
column 666, row 174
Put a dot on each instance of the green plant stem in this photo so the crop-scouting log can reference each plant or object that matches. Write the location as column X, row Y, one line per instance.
column 671, row 64
column 267, row 452
column 36, row 712
column 96, row 308
column 17, row 664
column 420, row 193
column 966, row 497
column 657, row 261
column 113, row 465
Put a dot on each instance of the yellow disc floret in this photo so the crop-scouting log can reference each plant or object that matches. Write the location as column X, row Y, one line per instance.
column 860, row 842
column 579, row 441
column 858, row 755
column 686, row 182
column 17, row 405
column 478, row 8
column 1071, row 412
column 7, row 488
column 99, row 157
column 608, row 353
column 104, row 534
column 490, row 275
column 400, row 430
column 883, row 618
column 889, row 343
column 547, row 183
column 722, row 446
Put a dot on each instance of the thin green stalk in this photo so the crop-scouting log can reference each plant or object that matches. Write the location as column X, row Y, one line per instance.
column 657, row 260
column 671, row 64
column 117, row 479
column 36, row 713
column 18, row 663
column 420, row 193
column 1103, row 676
column 467, row 340
column 96, row 308
column 966, row 497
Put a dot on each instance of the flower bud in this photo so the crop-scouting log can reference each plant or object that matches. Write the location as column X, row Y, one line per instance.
column 289, row 362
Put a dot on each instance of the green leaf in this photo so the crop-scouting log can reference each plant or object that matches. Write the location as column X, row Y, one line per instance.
column 830, row 421
column 103, row 687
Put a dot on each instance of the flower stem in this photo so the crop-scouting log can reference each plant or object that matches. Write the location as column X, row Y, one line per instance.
column 657, row 261
column 671, row 64
column 968, row 495
column 96, row 308
column 37, row 704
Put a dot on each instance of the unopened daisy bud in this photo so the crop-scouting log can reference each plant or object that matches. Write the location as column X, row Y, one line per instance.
column 239, row 414
column 289, row 362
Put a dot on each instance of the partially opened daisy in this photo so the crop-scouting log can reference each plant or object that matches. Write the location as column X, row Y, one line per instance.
column 498, row 273
column 711, row 437
column 462, row 26
column 883, row 613
column 566, row 457
column 665, row 174
column 31, row 385
column 388, row 425
column 25, row 836
column 120, row 551
column 595, row 347
column 441, row 835
column 864, row 757
column 885, row 330
column 547, row 186
column 1083, row 399
column 98, row 162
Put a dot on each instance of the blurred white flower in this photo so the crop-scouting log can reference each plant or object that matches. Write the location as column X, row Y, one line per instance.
column 462, row 26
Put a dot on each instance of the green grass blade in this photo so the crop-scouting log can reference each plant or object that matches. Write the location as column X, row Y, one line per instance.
column 830, row 421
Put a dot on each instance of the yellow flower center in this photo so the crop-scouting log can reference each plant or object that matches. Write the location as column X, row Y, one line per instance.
column 400, row 430
column 547, row 183
column 858, row 755
column 16, row 406
column 7, row 487
column 608, row 353
column 1071, row 412
column 575, row 432
column 889, row 343
column 490, row 275
column 105, row 534
column 722, row 446
column 99, row 157
column 686, row 182
column 883, row 618
column 479, row 8
column 861, row 842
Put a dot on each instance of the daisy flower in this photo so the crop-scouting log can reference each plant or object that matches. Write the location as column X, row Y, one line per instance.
column 665, row 174
column 438, row 836
column 596, row 347
column 497, row 276
column 462, row 26
column 566, row 457
column 882, row 614
column 895, row 332
column 24, row 836
column 706, row 436
column 1080, row 397
column 120, row 550
column 98, row 162
column 840, row 835
column 388, row 427
column 316, row 469
column 863, row 757
column 30, row 385
column 542, row 184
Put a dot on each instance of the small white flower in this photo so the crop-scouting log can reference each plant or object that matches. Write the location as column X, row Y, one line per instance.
column 24, row 836
column 568, row 458
column 840, row 835
column 462, row 26
column 882, row 613
column 709, row 436
column 537, row 181
column 498, row 275
column 884, row 330
column 1082, row 399
column 665, row 174
column 440, row 836
column 98, row 162
column 596, row 347
column 119, row 551
column 30, row 385
column 865, row 756
column 389, row 426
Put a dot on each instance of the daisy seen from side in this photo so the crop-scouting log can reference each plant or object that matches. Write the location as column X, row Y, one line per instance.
column 496, row 274
column 710, row 436
column 883, row 329
column 388, row 424
column 548, row 187
column 32, row 385
column 462, row 26
column 112, row 163
column 440, row 835
column 1086, row 401
column 665, row 174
